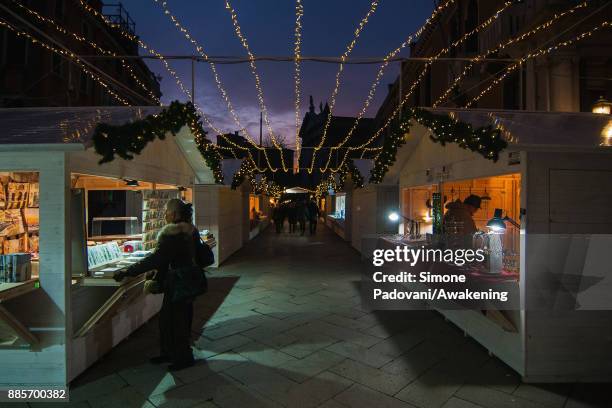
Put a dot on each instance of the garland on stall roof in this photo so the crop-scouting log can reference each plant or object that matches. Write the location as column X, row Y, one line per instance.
column 486, row 140
column 349, row 168
column 246, row 171
column 131, row 138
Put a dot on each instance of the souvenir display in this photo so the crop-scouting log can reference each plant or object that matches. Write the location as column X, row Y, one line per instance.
column 17, row 195
column 15, row 268
column 11, row 223
column 2, row 196
column 153, row 209
column 33, row 196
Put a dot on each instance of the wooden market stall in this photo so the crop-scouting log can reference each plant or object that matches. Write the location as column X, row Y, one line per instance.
column 555, row 180
column 59, row 306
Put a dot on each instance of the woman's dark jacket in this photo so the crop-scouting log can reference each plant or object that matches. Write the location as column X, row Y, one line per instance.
column 178, row 245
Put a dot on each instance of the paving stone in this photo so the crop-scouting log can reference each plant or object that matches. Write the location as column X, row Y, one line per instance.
column 226, row 330
column 210, row 348
column 495, row 374
column 127, row 397
column 339, row 333
column 332, row 404
column 305, row 368
column 308, row 344
column 315, row 391
column 359, row 396
column 398, row 344
column 150, row 379
column 360, row 354
column 346, row 322
column 264, row 380
column 263, row 354
column 455, row 402
column 105, row 385
column 416, row 361
column 490, row 398
column 371, row 377
column 551, row 395
column 431, row 390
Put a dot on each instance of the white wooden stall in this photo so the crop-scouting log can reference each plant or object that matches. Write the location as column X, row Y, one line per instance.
column 564, row 161
column 55, row 143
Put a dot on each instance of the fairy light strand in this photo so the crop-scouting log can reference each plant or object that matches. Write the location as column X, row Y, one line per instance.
column 409, row 40
column 92, row 44
column 258, row 86
column 362, row 23
column 502, row 46
column 153, row 52
column 534, row 54
column 67, row 54
column 399, row 107
column 299, row 13
column 531, row 55
column 200, row 50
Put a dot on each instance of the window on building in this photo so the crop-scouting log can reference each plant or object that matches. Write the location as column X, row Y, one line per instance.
column 59, row 9
column 85, row 84
column 471, row 22
column 57, row 64
column 512, row 91
column 85, row 30
column 594, row 82
column 16, row 49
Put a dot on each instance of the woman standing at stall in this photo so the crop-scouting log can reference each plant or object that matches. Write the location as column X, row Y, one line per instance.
column 179, row 248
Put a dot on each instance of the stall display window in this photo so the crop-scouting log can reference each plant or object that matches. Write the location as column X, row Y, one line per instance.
column 340, row 206
column 19, row 226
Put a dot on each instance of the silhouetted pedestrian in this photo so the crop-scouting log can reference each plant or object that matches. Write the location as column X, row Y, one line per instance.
column 313, row 216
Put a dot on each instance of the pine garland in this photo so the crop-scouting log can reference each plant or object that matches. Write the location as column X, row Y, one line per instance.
column 350, row 168
column 131, row 138
column 486, row 140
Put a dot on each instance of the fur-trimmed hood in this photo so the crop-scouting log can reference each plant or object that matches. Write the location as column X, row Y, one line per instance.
column 176, row 229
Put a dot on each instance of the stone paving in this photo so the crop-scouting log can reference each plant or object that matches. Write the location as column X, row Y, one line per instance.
column 284, row 327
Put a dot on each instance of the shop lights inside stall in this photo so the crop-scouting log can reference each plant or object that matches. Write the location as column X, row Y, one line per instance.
column 602, row 106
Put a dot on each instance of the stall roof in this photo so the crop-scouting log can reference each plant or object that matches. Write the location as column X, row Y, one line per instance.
column 542, row 128
column 66, row 125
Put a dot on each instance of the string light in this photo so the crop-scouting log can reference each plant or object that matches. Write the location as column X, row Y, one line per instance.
column 299, row 13
column 535, row 54
column 431, row 60
column 343, row 58
column 153, row 52
column 94, row 45
column 253, row 68
column 67, row 54
column 398, row 109
column 411, row 38
column 220, row 87
column 503, row 45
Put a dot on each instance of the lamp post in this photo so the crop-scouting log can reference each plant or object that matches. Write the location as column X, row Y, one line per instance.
column 602, row 106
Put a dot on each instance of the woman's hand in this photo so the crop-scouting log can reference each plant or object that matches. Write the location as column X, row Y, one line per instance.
column 119, row 276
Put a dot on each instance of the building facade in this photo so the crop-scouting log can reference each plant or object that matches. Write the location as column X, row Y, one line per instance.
column 569, row 79
column 34, row 76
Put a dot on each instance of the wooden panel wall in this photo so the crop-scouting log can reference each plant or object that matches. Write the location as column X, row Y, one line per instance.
column 49, row 365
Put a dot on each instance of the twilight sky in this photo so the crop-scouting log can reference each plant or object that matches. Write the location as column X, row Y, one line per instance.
column 268, row 25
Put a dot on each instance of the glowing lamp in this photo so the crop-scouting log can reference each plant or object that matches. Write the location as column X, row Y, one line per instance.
column 394, row 216
column 602, row 106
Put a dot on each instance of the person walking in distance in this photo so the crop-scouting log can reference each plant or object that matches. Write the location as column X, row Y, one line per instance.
column 292, row 215
column 313, row 216
column 302, row 215
column 178, row 248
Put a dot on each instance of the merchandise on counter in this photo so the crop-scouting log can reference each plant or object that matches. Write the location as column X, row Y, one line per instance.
column 33, row 196
column 102, row 254
column 11, row 223
column 17, row 195
column 153, row 208
column 31, row 218
column 15, row 268
column 2, row 196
